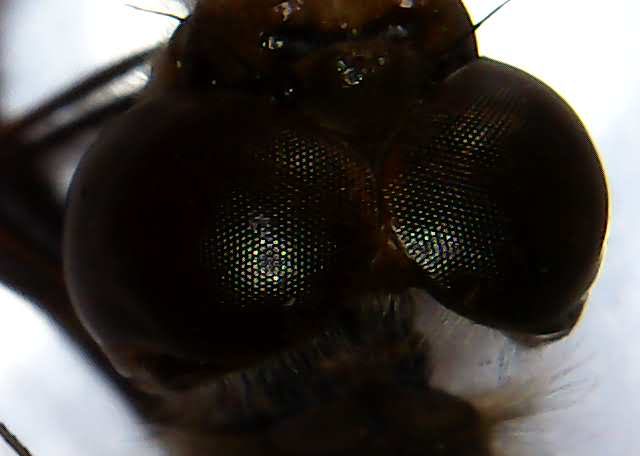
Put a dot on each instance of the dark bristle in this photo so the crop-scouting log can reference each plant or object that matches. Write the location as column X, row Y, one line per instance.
column 159, row 13
column 488, row 16
column 460, row 41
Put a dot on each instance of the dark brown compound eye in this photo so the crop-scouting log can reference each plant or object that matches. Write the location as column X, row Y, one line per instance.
column 217, row 230
column 496, row 192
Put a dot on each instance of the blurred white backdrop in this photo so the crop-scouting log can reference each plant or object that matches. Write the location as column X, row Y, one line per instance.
column 585, row 49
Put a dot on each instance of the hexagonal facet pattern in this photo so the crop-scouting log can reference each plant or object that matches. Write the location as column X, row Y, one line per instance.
column 443, row 211
column 275, row 246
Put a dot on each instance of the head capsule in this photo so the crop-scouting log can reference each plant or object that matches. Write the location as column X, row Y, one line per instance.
column 290, row 158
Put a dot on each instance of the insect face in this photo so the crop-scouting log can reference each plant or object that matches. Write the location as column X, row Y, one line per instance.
column 223, row 215
column 291, row 164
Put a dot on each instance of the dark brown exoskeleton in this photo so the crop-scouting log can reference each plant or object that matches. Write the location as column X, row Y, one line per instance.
column 243, row 240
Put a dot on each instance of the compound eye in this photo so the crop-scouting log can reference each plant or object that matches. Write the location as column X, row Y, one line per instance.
column 214, row 230
column 275, row 241
column 496, row 192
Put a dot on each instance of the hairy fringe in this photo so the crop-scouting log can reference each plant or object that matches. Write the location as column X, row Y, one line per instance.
column 517, row 416
column 524, row 415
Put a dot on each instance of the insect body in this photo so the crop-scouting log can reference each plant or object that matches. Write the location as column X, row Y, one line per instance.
column 292, row 171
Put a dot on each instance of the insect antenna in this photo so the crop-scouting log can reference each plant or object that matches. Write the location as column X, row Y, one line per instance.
column 159, row 13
